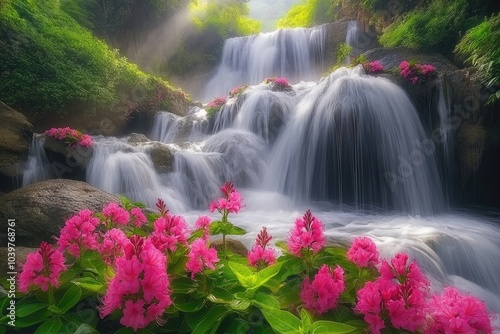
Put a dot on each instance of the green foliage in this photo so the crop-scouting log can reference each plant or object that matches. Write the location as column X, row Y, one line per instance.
column 310, row 13
column 481, row 45
column 51, row 64
column 228, row 18
column 343, row 52
column 435, row 27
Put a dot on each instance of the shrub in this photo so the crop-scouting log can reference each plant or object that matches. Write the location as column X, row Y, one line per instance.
column 480, row 45
column 214, row 106
column 70, row 136
column 416, row 73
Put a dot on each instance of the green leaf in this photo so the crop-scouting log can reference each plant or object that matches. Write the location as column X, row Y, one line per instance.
column 235, row 230
column 33, row 319
column 90, row 284
column 306, row 320
column 245, row 276
column 267, row 300
column 54, row 309
column 28, row 309
column 192, row 306
column 331, row 327
column 49, row 326
column 86, row 329
column 210, row 319
column 281, row 321
column 70, row 298
column 267, row 273
column 182, row 285
column 92, row 261
column 216, row 227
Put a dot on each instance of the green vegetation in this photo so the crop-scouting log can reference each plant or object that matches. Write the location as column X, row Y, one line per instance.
column 51, row 64
column 310, row 13
column 482, row 45
column 435, row 27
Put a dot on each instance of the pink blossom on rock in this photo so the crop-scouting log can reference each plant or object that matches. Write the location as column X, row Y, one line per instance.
column 363, row 252
column 42, row 268
column 321, row 295
column 116, row 214
column 200, row 257
column 79, row 233
column 86, row 141
column 307, row 234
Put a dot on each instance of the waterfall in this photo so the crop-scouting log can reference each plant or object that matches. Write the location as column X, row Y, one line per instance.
column 351, row 39
column 292, row 53
column 38, row 167
column 120, row 168
column 171, row 128
column 357, row 139
column 446, row 135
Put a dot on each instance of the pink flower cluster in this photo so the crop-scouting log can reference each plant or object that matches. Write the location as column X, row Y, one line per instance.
column 363, row 252
column 169, row 231
column 259, row 255
column 200, row 257
column 453, row 312
column 373, row 67
column 231, row 202
column 213, row 106
column 115, row 214
column 400, row 292
column 203, row 223
column 70, row 136
column 113, row 246
column 78, row 233
column 42, row 268
column 307, row 234
column 416, row 73
column 322, row 294
column 279, row 84
column 140, row 287
column 237, row 91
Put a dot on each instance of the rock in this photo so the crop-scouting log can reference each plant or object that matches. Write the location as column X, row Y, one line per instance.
column 391, row 57
column 138, row 138
column 41, row 209
column 162, row 157
column 235, row 246
column 15, row 138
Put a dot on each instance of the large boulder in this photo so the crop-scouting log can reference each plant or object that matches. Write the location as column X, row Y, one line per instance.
column 41, row 209
column 15, row 138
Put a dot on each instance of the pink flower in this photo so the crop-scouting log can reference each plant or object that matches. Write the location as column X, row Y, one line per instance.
column 203, row 223
column 260, row 256
column 116, row 214
column 231, row 202
column 307, row 234
column 416, row 73
column 322, row 294
column 42, row 268
column 138, row 217
column 78, row 233
column 113, row 246
column 363, row 252
column 400, row 292
column 454, row 312
column 140, row 286
column 85, row 141
column 201, row 257
column 133, row 315
column 169, row 231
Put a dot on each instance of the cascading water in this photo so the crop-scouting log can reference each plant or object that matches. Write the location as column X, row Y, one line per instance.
column 351, row 39
column 347, row 138
column 120, row 168
column 38, row 167
column 446, row 135
column 293, row 53
column 170, row 128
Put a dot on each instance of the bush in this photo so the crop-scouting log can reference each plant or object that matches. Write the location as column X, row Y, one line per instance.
column 435, row 27
column 481, row 46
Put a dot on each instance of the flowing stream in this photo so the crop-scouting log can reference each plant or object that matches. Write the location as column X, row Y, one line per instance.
column 351, row 147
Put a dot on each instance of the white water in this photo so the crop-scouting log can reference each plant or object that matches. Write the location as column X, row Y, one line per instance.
column 38, row 167
column 351, row 39
column 296, row 54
